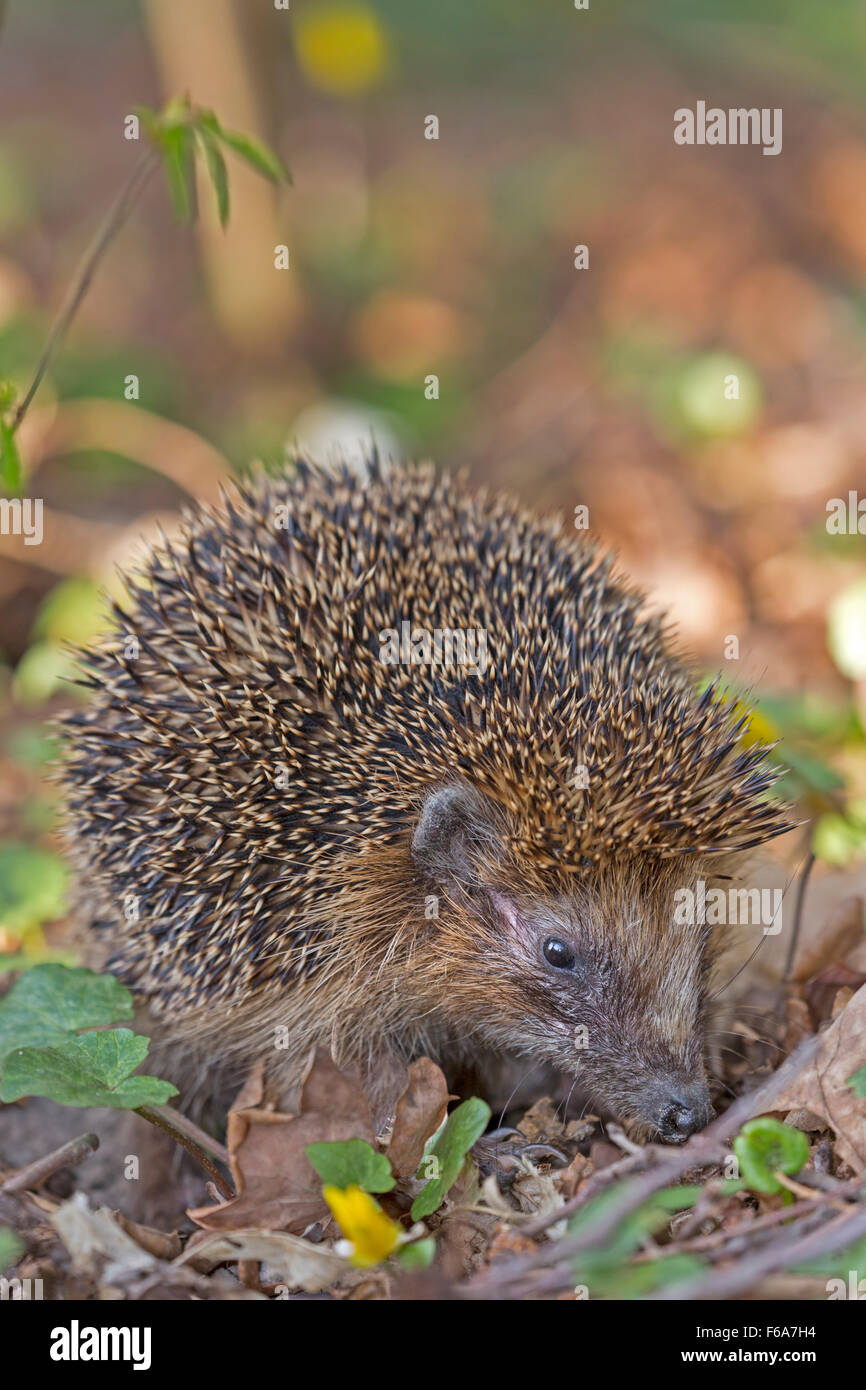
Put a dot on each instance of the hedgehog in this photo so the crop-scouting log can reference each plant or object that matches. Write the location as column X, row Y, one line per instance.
column 398, row 768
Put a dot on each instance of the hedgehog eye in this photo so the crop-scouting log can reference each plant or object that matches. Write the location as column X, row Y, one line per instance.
column 558, row 953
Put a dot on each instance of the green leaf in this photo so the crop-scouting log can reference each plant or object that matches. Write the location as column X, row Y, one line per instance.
column 857, row 1082
column 93, row 1069
column 816, row 775
column 176, row 112
column 462, row 1128
column 217, row 170
column 674, row 1199
column 351, row 1163
column 32, row 888
column 851, row 1259
column 75, row 610
column 149, row 121
column 178, row 151
column 10, row 1248
column 254, row 152
column 45, row 668
column 51, row 1002
column 839, row 838
column 10, row 459
column 418, row 1255
column 765, row 1147
column 631, row 1231
column 604, row 1268
column 638, row 1280
column 32, row 745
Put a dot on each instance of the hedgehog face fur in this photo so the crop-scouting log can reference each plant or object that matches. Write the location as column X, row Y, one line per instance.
column 285, row 836
column 596, row 977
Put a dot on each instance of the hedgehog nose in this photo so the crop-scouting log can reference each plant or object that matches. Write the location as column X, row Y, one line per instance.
column 684, row 1115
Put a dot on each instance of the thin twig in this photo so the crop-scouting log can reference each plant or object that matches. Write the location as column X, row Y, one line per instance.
column 797, row 1249
column 854, row 1189
column 800, row 1189
column 732, row 1236
column 199, row 1136
column 38, row 1172
column 708, row 1147
column 618, row 1136
column 110, row 226
column 191, row 1147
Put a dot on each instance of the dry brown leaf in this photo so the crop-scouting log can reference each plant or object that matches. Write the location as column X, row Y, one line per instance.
column 278, row 1188
column 160, row 1244
column 420, row 1111
column 92, row 1237
column 545, row 1123
column 569, row 1179
column 299, row 1263
column 508, row 1241
column 822, row 1086
column 536, row 1193
column 602, row 1154
column 542, row 1123
column 798, row 1024
column 841, row 932
column 841, row 1001
column 492, row 1198
column 821, row 992
column 806, row 1120
column 462, row 1241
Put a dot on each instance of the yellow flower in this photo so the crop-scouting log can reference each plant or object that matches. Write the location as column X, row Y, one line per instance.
column 341, row 47
column 363, row 1222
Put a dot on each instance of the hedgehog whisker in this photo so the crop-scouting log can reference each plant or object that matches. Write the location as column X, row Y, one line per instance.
column 563, row 1106
column 514, row 1091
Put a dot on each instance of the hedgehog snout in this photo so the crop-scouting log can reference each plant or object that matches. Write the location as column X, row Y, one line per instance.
column 685, row 1109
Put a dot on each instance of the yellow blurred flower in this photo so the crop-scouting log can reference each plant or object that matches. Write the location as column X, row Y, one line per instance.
column 372, row 1234
column 759, row 729
column 342, row 48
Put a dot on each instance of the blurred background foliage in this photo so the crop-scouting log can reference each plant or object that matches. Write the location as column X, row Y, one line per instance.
column 599, row 387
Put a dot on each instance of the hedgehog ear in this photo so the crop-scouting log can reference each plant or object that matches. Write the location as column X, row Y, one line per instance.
column 454, row 820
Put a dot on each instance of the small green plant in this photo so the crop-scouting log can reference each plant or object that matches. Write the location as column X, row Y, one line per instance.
column 607, row 1270
column 180, row 131
column 49, row 1045
column 57, row 1041
column 93, row 1069
column 10, row 458
column 352, row 1169
column 765, row 1148
column 351, row 1163
column 174, row 137
column 446, row 1154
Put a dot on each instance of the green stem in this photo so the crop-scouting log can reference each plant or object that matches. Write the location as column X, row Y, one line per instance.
column 191, row 1147
column 110, row 226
